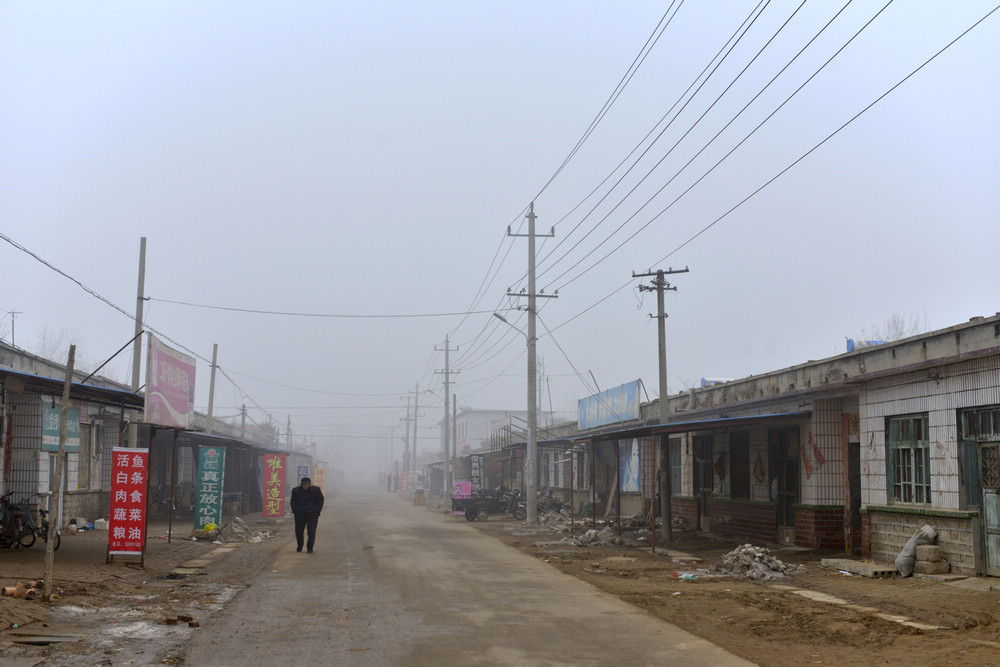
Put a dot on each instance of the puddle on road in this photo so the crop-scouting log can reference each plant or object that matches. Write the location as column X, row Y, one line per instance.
column 134, row 628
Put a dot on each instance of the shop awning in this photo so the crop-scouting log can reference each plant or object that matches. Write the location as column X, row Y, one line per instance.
column 686, row 426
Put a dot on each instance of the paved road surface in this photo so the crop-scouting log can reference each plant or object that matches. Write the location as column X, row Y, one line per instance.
column 393, row 584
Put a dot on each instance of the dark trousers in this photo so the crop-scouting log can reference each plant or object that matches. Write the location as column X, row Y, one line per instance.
column 302, row 522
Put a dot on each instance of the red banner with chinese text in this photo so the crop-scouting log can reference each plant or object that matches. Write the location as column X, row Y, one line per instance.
column 274, row 485
column 127, row 516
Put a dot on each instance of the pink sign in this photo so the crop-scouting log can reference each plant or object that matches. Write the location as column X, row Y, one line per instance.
column 404, row 482
column 127, row 521
column 169, row 386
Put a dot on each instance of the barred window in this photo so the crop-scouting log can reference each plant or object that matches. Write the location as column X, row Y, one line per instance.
column 909, row 460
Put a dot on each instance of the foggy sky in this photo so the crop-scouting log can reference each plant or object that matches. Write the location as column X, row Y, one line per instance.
column 367, row 158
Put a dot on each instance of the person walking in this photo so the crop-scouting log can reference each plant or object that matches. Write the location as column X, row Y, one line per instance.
column 307, row 503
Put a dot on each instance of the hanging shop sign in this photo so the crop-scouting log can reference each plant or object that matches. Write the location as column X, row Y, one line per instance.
column 319, row 480
column 211, row 478
column 404, row 482
column 127, row 523
column 51, row 416
column 169, row 386
column 477, row 470
column 274, row 485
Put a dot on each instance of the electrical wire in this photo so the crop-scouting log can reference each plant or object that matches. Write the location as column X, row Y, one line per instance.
column 787, row 168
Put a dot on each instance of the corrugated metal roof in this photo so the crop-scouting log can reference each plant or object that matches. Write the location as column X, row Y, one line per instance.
column 38, row 384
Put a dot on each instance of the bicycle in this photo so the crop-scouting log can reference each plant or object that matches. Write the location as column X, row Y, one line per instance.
column 43, row 531
column 12, row 532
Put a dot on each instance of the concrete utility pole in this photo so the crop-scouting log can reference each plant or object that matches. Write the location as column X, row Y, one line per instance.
column 211, row 388
column 416, row 411
column 454, row 436
column 531, row 460
column 660, row 286
column 133, row 416
column 447, row 372
column 406, row 436
column 243, row 422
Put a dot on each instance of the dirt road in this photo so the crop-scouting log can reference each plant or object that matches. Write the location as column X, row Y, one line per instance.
column 392, row 584
column 388, row 580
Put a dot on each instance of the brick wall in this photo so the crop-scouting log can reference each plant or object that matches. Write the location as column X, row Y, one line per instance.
column 744, row 520
column 685, row 508
column 888, row 531
column 84, row 504
column 819, row 527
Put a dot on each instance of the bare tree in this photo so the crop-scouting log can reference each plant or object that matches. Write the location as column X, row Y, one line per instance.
column 896, row 327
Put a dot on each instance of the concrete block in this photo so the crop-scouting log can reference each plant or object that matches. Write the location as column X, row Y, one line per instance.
column 924, row 567
column 930, row 553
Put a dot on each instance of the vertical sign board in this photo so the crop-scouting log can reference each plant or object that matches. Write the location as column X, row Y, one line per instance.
column 404, row 481
column 274, row 485
column 320, row 478
column 50, row 429
column 169, row 386
column 476, row 472
column 211, row 478
column 303, row 471
column 127, row 524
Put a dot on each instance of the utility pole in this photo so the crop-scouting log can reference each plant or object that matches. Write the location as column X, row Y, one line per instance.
column 416, row 411
column 54, row 523
column 133, row 416
column 211, row 388
column 13, row 314
column 454, row 436
column 288, row 434
column 243, row 422
column 531, row 460
column 659, row 285
column 447, row 372
column 406, row 436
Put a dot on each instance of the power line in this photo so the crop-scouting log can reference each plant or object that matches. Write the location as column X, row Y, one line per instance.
column 787, row 168
column 320, row 315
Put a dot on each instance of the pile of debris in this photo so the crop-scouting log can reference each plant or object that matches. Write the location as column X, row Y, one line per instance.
column 600, row 538
column 237, row 529
column 22, row 590
column 558, row 522
column 755, row 563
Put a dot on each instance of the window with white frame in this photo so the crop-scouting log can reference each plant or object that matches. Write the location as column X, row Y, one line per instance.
column 909, row 460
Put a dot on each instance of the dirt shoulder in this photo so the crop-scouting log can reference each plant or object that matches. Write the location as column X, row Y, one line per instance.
column 817, row 616
column 121, row 613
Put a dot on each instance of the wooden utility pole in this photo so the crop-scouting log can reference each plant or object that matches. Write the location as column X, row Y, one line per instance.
column 660, row 286
column 54, row 521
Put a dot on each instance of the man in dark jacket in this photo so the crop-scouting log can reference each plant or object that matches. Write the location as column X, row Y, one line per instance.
column 307, row 503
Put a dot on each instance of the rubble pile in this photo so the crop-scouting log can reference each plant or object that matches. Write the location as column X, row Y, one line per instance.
column 600, row 538
column 755, row 563
column 237, row 529
column 558, row 522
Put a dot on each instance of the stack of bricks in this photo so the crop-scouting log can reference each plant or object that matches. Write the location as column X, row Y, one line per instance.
column 931, row 560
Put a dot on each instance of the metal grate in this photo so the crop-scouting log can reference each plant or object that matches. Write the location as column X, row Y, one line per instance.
column 24, row 474
column 991, row 466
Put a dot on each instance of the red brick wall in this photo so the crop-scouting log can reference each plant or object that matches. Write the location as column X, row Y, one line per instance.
column 819, row 527
column 686, row 509
column 744, row 521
